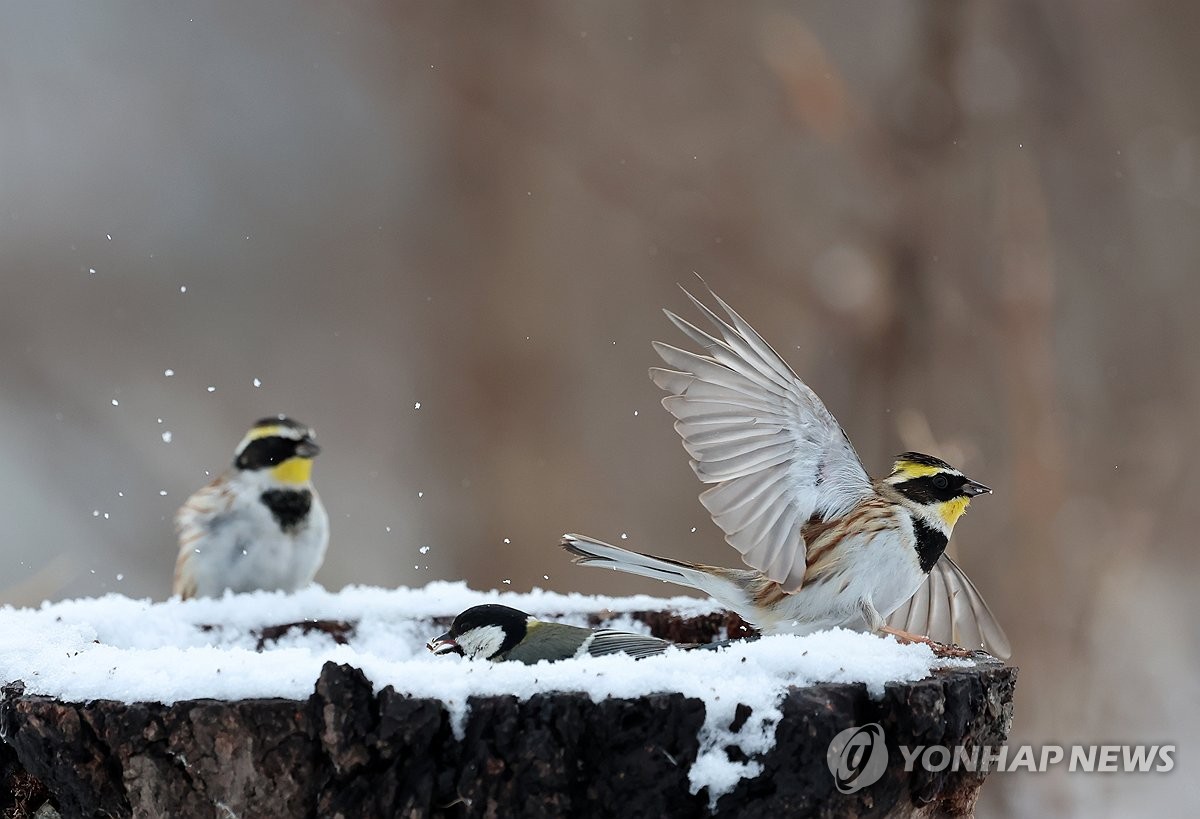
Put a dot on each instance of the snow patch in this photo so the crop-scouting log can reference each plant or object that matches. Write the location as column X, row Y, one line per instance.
column 114, row 647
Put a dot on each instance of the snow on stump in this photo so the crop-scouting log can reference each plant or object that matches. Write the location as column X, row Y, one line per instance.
column 388, row 730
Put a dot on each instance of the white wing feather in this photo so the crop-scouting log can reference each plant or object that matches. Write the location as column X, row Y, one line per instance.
column 948, row 608
column 776, row 455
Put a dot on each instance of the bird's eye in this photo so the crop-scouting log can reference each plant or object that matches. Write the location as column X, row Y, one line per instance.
column 940, row 481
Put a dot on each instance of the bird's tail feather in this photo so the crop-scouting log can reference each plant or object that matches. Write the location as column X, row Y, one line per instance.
column 727, row 586
column 589, row 552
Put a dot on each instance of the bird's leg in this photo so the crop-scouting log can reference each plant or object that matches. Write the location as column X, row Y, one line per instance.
column 940, row 649
column 871, row 616
column 877, row 624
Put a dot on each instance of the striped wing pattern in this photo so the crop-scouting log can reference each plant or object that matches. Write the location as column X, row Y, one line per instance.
column 607, row 641
column 777, row 458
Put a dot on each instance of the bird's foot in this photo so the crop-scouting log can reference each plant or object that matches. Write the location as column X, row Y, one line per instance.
column 940, row 649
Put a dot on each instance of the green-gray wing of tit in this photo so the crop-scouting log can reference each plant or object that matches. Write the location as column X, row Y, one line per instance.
column 948, row 608
column 607, row 641
column 775, row 456
column 548, row 641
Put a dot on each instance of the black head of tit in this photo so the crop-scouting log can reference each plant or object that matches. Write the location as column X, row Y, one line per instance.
column 499, row 633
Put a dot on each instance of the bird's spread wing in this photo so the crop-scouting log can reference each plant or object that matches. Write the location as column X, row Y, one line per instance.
column 606, row 641
column 948, row 608
column 778, row 457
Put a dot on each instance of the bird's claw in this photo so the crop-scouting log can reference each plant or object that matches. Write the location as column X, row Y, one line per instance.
column 939, row 649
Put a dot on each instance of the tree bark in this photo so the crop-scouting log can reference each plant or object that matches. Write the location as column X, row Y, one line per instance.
column 349, row 752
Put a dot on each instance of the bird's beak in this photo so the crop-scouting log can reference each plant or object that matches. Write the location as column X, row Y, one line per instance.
column 444, row 645
column 973, row 488
column 307, row 448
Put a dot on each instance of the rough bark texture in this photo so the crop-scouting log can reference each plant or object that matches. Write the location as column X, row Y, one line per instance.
column 347, row 752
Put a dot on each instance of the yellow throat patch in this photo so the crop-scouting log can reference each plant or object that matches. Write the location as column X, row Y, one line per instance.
column 952, row 510
column 293, row 470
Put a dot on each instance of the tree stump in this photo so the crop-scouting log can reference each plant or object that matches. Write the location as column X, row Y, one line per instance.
column 349, row 752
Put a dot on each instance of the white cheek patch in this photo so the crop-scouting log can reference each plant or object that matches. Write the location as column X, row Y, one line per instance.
column 933, row 518
column 483, row 641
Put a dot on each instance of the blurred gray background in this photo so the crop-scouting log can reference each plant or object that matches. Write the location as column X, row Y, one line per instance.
column 442, row 234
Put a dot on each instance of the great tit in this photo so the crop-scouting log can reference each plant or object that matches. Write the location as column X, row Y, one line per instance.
column 494, row 632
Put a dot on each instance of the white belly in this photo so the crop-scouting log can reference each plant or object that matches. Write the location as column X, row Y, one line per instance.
column 246, row 551
column 882, row 570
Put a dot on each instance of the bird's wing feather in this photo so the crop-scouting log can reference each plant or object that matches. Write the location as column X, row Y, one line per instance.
column 606, row 641
column 775, row 454
column 948, row 608
column 191, row 524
